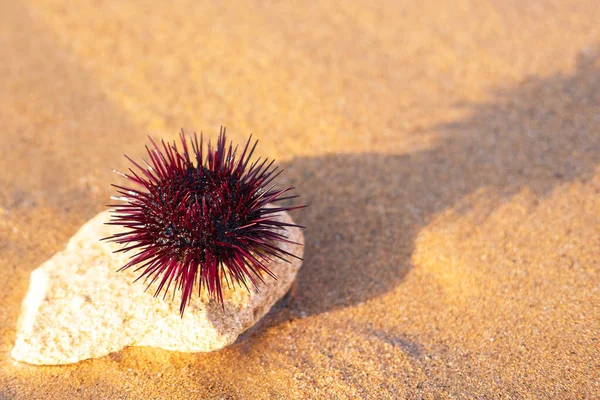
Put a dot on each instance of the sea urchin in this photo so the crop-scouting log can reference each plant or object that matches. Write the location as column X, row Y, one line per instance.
column 200, row 220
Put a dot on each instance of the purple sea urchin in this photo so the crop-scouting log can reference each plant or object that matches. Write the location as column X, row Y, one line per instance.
column 199, row 220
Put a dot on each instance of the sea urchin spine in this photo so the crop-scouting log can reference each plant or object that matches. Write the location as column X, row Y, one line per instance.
column 198, row 220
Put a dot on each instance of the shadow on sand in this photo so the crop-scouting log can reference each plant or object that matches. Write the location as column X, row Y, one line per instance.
column 366, row 209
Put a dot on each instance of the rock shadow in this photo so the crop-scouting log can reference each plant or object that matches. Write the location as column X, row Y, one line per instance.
column 367, row 209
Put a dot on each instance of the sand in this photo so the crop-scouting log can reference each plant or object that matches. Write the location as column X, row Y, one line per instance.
column 450, row 153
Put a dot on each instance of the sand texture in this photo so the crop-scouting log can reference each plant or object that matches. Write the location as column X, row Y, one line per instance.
column 78, row 306
column 449, row 151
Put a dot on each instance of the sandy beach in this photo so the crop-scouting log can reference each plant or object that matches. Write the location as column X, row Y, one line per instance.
column 449, row 152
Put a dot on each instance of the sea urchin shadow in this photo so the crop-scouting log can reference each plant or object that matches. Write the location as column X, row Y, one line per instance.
column 367, row 209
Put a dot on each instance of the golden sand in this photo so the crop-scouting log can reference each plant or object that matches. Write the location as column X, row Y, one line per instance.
column 450, row 153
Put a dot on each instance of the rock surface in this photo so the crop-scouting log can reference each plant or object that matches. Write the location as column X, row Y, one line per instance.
column 79, row 307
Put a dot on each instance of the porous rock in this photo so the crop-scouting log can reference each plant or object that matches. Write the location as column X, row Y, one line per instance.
column 78, row 306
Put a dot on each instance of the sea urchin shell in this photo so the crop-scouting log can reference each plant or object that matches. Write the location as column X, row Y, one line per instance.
column 199, row 221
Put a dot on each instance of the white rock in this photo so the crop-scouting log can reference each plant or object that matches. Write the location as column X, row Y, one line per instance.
column 79, row 307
